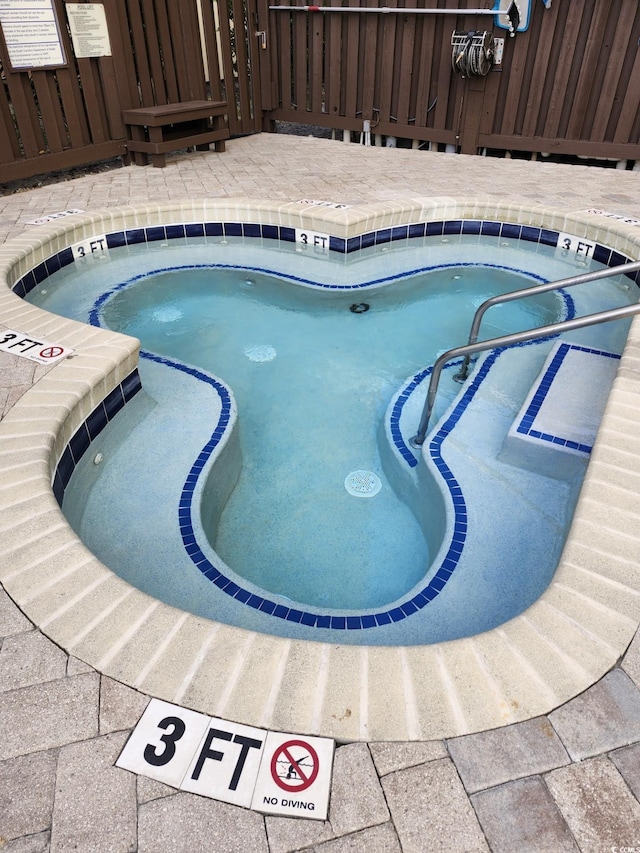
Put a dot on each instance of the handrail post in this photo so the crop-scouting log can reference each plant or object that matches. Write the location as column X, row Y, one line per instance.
column 507, row 340
column 512, row 295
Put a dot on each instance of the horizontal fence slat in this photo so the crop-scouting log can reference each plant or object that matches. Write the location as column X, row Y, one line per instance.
column 65, row 160
column 580, row 148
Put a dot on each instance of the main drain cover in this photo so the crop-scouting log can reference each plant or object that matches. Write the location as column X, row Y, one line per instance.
column 260, row 353
column 362, row 484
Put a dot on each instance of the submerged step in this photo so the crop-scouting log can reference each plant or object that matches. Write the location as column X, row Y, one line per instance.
column 556, row 427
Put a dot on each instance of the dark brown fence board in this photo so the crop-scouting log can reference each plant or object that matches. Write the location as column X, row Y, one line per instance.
column 586, row 79
column 444, row 89
column 333, row 64
column 350, row 64
column 227, row 72
column 112, row 102
column 281, row 49
column 316, row 62
column 428, row 74
column 48, row 112
column 71, row 101
column 614, row 54
column 149, row 49
column 9, row 146
column 405, row 68
column 26, row 113
column 598, row 102
column 123, row 59
column 424, row 53
column 386, row 79
column 212, row 55
column 257, row 72
column 369, row 61
column 627, row 126
column 540, row 48
column 170, row 30
column 245, row 44
column 567, row 21
column 185, row 46
column 299, row 43
column 143, row 73
column 93, row 100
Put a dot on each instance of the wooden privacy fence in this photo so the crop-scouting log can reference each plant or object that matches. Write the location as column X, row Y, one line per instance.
column 570, row 84
column 161, row 52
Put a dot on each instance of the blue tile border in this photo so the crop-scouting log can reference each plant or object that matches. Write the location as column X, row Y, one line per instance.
column 89, row 430
column 453, row 227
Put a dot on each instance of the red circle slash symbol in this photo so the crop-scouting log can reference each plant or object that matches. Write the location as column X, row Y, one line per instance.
column 51, row 352
column 295, row 765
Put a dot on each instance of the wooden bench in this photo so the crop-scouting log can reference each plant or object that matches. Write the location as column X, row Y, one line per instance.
column 155, row 131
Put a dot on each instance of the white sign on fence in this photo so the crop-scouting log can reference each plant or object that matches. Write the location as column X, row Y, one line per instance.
column 30, row 29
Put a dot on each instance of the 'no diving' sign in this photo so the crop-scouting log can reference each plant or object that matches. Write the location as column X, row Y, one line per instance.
column 269, row 772
column 295, row 776
column 43, row 352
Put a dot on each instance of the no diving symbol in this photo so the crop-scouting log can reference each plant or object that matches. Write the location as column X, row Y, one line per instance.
column 51, row 352
column 295, row 766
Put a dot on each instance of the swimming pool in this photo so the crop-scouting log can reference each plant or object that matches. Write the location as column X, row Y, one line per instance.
column 264, row 516
column 145, row 617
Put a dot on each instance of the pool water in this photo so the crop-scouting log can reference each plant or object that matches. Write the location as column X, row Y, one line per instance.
column 312, row 380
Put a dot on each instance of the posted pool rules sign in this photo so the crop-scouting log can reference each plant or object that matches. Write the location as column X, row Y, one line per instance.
column 269, row 772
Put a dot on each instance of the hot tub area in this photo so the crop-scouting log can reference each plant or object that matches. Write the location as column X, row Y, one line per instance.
column 569, row 638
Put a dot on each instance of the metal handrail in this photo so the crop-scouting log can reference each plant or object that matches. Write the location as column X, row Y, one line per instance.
column 508, row 340
column 535, row 289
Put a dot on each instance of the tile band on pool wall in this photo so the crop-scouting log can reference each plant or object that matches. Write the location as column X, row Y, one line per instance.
column 89, row 430
column 456, row 227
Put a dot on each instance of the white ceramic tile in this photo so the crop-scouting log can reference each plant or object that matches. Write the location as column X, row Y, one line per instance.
column 164, row 742
column 295, row 776
column 225, row 766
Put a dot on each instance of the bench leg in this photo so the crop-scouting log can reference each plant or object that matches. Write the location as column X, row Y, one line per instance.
column 137, row 134
column 156, row 135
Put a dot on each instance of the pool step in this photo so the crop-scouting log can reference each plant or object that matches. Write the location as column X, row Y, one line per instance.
column 555, row 429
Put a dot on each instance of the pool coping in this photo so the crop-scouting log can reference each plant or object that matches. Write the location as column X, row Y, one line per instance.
column 575, row 633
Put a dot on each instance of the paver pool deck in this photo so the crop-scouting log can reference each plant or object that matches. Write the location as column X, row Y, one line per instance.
column 569, row 780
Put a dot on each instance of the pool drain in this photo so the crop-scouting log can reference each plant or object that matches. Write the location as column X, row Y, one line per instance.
column 359, row 308
column 263, row 353
column 167, row 314
column 362, row 484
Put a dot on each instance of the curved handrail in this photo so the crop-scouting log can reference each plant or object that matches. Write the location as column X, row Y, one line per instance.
column 535, row 289
column 508, row 340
